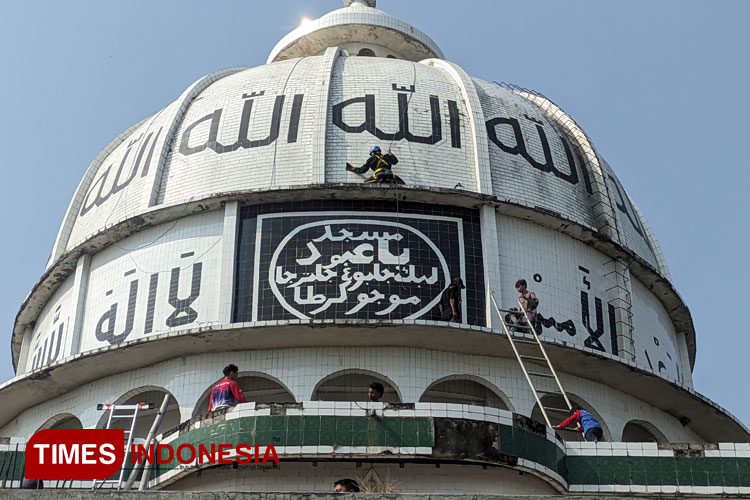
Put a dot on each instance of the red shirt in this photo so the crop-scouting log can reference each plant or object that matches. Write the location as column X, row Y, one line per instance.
column 226, row 393
column 583, row 419
column 573, row 419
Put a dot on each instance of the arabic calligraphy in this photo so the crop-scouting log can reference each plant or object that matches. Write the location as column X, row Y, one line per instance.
column 101, row 191
column 183, row 310
column 355, row 269
column 43, row 350
column 369, row 121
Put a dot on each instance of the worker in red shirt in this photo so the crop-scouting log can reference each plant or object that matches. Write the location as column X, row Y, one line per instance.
column 226, row 393
column 592, row 430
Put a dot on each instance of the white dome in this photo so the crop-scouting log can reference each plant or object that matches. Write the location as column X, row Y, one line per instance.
column 285, row 130
column 185, row 222
column 262, row 129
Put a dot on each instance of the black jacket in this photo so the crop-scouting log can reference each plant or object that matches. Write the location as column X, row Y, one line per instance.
column 452, row 292
column 372, row 163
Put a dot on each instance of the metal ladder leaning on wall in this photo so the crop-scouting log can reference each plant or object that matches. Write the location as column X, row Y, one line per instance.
column 130, row 413
column 535, row 355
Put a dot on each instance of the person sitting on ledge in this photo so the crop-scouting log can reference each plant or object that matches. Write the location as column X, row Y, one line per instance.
column 592, row 430
column 528, row 300
column 346, row 486
column 381, row 165
column 226, row 393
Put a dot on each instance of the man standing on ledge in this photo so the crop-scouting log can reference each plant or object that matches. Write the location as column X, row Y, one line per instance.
column 450, row 301
column 226, row 393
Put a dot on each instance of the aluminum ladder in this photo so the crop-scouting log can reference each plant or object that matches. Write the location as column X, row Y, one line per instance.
column 130, row 412
column 533, row 354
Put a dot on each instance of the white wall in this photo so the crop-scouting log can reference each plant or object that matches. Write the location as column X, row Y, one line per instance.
column 528, row 250
column 412, row 478
column 190, row 173
column 194, row 163
column 53, row 331
column 187, row 245
column 121, row 186
column 656, row 340
column 300, row 369
column 440, row 164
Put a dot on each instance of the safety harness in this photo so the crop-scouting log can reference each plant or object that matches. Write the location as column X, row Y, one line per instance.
column 381, row 161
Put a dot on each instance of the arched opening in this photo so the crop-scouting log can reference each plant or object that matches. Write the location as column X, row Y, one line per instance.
column 62, row 421
column 149, row 394
column 639, row 431
column 391, row 56
column 352, row 385
column 466, row 390
column 257, row 387
column 366, row 52
column 555, row 405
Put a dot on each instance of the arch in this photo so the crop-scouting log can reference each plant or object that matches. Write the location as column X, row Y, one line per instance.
column 146, row 394
column 556, row 401
column 257, row 386
column 391, row 56
column 366, row 52
column 352, row 384
column 466, row 389
column 640, row 431
column 61, row 421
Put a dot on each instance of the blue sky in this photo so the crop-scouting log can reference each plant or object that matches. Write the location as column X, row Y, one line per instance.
column 661, row 88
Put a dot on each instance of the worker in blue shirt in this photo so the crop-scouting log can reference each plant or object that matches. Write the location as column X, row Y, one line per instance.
column 592, row 430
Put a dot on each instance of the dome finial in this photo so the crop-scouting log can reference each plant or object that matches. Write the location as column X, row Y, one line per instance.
column 368, row 3
column 361, row 24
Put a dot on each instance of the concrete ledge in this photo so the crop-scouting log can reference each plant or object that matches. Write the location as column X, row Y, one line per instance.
column 386, row 433
column 221, row 495
column 117, row 230
column 710, row 421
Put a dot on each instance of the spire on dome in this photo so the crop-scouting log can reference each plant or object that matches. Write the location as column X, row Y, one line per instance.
column 368, row 3
column 358, row 26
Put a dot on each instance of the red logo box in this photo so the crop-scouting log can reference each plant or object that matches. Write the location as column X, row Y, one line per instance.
column 75, row 453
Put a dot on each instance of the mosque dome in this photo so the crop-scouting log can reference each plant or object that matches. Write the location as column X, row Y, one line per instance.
column 226, row 227
column 297, row 120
